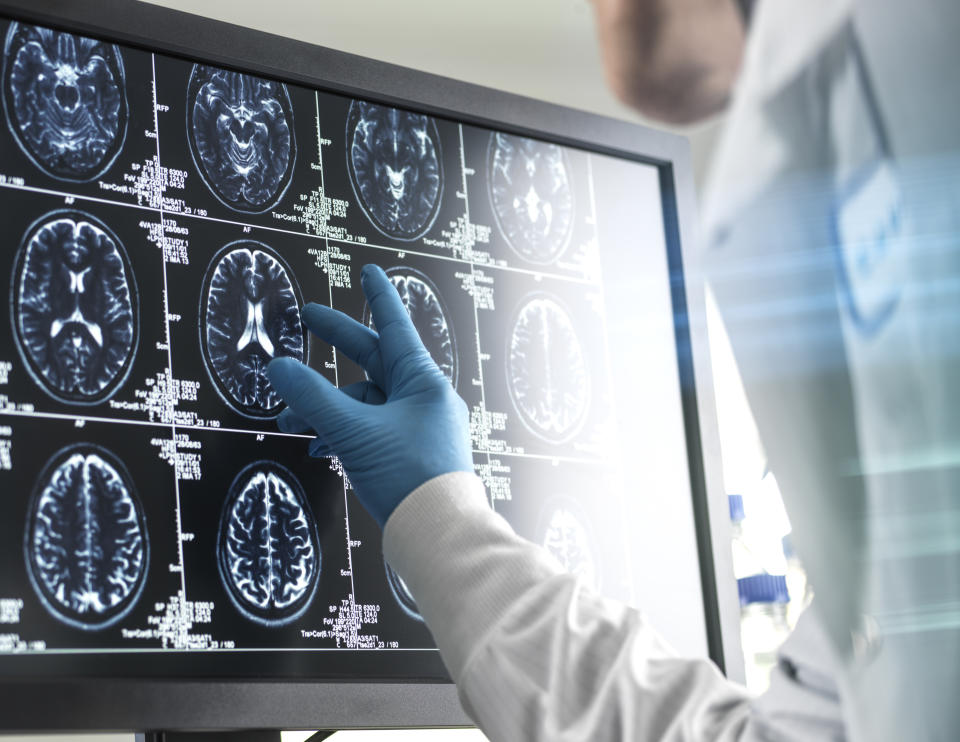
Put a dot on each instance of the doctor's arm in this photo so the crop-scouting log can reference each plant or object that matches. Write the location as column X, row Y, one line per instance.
column 535, row 655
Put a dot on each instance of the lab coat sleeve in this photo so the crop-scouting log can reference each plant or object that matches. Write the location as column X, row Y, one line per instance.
column 537, row 656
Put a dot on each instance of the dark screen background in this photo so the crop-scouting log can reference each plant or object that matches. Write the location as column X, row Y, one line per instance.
column 496, row 280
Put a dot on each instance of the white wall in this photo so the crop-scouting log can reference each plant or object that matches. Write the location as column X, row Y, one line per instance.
column 544, row 49
column 541, row 48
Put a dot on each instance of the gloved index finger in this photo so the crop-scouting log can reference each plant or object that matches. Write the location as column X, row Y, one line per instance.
column 398, row 336
column 356, row 341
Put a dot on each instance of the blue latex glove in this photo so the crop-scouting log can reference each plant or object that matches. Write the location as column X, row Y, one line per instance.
column 392, row 433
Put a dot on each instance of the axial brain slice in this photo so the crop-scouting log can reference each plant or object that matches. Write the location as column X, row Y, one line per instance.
column 269, row 551
column 546, row 370
column 251, row 316
column 566, row 538
column 241, row 134
column 422, row 301
column 75, row 308
column 86, row 545
column 66, row 101
column 394, row 162
column 531, row 195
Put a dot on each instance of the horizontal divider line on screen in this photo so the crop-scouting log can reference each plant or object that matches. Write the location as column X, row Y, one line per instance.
column 272, row 433
column 165, row 212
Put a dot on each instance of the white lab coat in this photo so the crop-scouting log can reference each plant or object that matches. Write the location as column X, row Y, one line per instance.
column 833, row 248
column 537, row 656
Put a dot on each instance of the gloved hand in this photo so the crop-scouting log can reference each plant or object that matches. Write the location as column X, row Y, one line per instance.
column 392, row 433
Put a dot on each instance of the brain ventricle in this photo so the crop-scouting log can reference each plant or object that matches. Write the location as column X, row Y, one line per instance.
column 75, row 307
column 251, row 316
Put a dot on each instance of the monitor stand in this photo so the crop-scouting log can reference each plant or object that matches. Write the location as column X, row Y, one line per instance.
column 259, row 735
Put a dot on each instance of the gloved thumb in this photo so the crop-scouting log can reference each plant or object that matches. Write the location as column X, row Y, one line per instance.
column 311, row 397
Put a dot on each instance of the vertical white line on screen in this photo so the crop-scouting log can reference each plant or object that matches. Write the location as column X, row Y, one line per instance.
column 336, row 381
column 476, row 314
column 158, row 177
column 326, row 242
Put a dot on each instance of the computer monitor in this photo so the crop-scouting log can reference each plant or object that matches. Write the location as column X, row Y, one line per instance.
column 172, row 190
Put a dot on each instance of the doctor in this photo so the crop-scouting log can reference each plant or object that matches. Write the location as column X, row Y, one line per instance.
column 835, row 260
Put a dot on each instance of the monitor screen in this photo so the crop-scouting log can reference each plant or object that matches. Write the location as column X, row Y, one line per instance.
column 164, row 221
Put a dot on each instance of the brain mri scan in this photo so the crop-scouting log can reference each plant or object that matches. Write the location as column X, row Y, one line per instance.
column 268, row 550
column 546, row 369
column 86, row 542
column 401, row 593
column 65, row 100
column 75, row 308
column 249, row 315
column 241, row 136
column 531, row 195
column 563, row 533
column 429, row 316
column 395, row 167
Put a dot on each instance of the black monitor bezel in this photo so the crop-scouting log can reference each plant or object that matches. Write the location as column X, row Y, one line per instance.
column 129, row 703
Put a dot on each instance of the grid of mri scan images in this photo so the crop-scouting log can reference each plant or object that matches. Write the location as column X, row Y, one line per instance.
column 164, row 221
